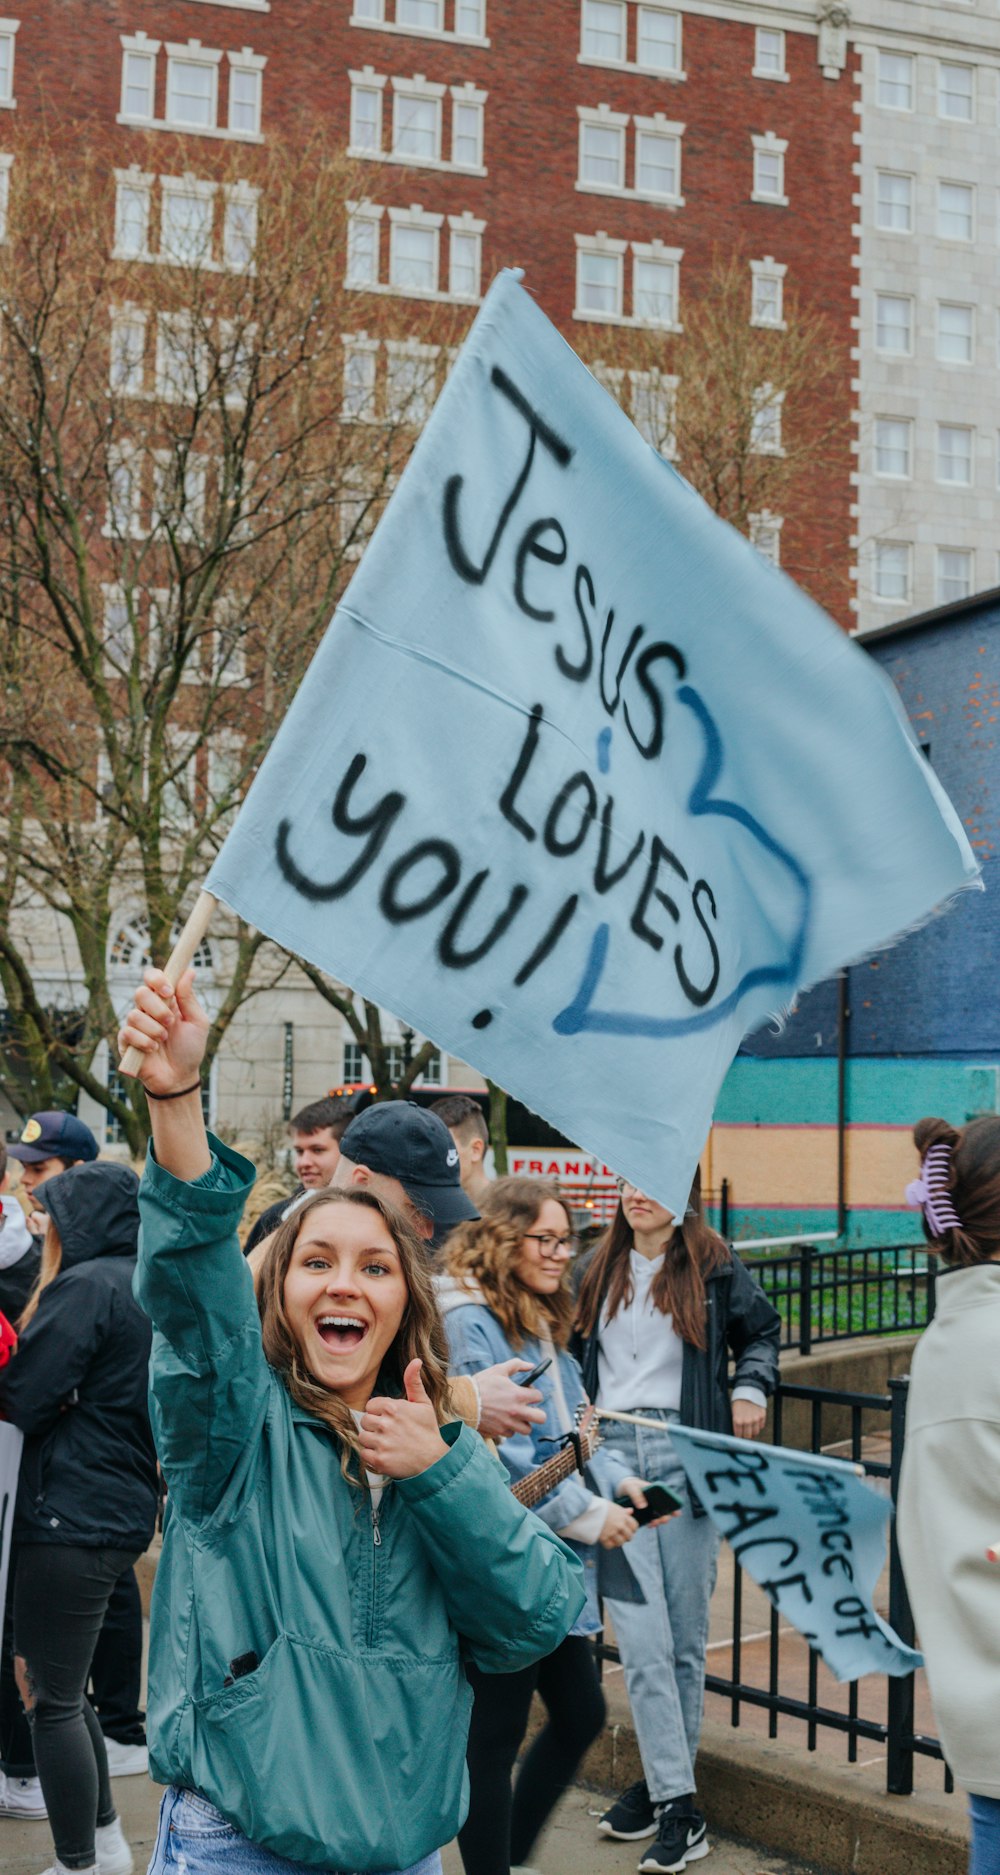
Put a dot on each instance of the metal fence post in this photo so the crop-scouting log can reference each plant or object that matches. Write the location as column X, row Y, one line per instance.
column 932, row 1268
column 900, row 1718
column 806, row 1255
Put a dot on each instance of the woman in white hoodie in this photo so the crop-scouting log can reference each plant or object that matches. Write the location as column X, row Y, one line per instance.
column 948, row 1513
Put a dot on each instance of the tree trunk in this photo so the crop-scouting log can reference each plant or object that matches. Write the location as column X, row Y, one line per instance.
column 498, row 1128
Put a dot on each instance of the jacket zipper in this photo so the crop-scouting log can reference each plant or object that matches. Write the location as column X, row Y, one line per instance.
column 373, row 1619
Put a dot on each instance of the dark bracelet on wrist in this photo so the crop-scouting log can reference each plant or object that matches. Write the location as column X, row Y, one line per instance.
column 178, row 1095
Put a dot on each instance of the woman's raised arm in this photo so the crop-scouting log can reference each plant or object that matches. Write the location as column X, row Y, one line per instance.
column 170, row 1028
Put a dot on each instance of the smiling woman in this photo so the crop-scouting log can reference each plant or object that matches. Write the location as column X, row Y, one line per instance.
column 329, row 1535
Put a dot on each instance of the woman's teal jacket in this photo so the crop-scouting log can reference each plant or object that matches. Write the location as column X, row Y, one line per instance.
column 306, row 1660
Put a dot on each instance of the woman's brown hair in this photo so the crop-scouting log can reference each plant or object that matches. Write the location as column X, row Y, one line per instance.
column 974, row 1183
column 420, row 1335
column 484, row 1253
column 48, row 1270
column 693, row 1251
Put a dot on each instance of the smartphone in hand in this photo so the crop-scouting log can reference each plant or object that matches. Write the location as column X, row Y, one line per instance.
column 528, row 1380
column 660, row 1502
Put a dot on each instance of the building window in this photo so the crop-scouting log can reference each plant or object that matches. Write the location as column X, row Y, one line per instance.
column 956, row 92
column 139, row 78
column 893, row 446
column 413, row 251
column 465, row 241
column 602, row 153
column 246, row 79
column 658, row 40
column 765, row 535
column 368, row 12
column 124, row 491
column 657, row 159
column 470, row 19
column 604, row 23
column 599, row 276
column 893, row 324
column 426, row 15
column 416, row 123
column 366, row 112
column 128, row 351
column 239, row 227
column 356, row 1067
column 132, row 198
column 186, row 214
column 229, row 642
column 954, row 574
column 411, row 381
column 117, row 636
column 467, row 129
column 362, row 245
column 192, row 90
column 179, row 483
column 954, row 454
column 956, row 211
column 769, row 53
column 769, row 169
column 653, row 406
column 895, row 80
column 892, row 571
column 7, row 38
column 955, row 334
column 360, row 367
column 765, row 420
column 181, row 365
column 767, row 292
column 894, row 202
column 655, row 277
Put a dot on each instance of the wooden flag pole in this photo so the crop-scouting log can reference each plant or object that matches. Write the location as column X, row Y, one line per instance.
column 176, row 964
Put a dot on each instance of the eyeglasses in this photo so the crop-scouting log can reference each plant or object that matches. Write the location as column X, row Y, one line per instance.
column 550, row 1246
column 625, row 1184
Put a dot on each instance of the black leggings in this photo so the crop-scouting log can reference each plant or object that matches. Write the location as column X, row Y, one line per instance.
column 61, row 1594
column 501, row 1828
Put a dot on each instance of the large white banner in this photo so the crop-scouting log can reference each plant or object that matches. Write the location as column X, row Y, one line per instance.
column 576, row 784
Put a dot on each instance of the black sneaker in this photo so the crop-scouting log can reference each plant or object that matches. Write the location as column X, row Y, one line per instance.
column 681, row 1838
column 631, row 1816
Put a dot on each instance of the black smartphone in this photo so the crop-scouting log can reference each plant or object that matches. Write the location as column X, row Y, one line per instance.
column 660, row 1502
column 528, row 1380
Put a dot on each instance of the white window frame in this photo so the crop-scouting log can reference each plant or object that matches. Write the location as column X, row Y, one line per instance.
column 422, row 396
column 942, row 460
column 373, row 82
column 181, row 758
column 968, row 188
column 223, row 745
column 597, row 58
column 246, row 60
column 893, row 475
column 773, row 273
column 117, row 525
column 235, row 356
column 193, row 53
column 600, row 244
column 375, row 17
column 468, row 97
column 357, row 214
column 655, row 384
column 604, row 118
column 142, row 184
column 945, row 67
column 660, row 71
column 239, row 196
column 414, row 217
column 898, row 547
column 437, row 31
column 6, row 164
column 138, row 45
column 8, row 35
column 968, row 554
column 769, row 145
column 766, row 527
column 417, row 90
column 767, row 408
column 776, row 73
column 893, row 175
column 659, row 126
column 191, row 188
column 357, row 504
column 893, row 351
column 480, row 8
column 230, row 670
column 113, row 595
column 127, row 363
column 668, row 260
column 465, row 228
column 357, row 345
column 169, row 389
column 190, row 513
column 955, row 306
column 882, row 79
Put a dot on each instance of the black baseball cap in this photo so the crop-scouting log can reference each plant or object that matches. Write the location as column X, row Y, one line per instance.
column 401, row 1140
column 54, row 1135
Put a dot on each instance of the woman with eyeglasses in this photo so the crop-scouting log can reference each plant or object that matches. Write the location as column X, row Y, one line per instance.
column 662, row 1302
column 504, row 1292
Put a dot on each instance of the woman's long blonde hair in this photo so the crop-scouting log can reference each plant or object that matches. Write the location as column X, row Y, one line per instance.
column 49, row 1268
column 484, row 1254
column 420, row 1335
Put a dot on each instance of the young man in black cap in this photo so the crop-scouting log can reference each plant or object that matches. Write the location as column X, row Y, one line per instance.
column 50, row 1143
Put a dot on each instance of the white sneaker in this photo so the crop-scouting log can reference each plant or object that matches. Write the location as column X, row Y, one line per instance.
column 114, row 1857
column 22, row 1797
column 58, row 1869
column 126, row 1760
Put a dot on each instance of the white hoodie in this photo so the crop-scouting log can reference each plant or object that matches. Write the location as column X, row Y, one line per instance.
column 15, row 1238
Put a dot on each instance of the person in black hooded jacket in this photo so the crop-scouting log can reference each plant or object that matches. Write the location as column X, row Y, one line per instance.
column 87, row 1493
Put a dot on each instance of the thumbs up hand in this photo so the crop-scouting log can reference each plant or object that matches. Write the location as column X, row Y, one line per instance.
column 400, row 1438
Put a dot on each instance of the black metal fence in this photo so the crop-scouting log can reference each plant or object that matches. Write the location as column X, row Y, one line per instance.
column 861, row 1419
column 830, row 1295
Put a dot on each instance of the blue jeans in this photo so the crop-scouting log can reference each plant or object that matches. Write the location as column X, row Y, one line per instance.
column 984, row 1815
column 662, row 1643
column 194, row 1839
